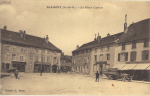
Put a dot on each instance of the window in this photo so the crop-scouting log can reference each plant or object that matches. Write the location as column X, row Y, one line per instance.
column 7, row 48
column 13, row 57
column 95, row 50
column 101, row 57
column 87, row 51
column 36, row 50
column 95, row 58
column 133, row 45
column 145, row 55
column 48, row 59
column 14, row 49
column 36, row 58
column 31, row 50
column 146, row 43
column 101, row 49
column 7, row 65
column 107, row 48
column 7, row 57
column 22, row 50
column 123, row 56
column 43, row 59
column 31, row 57
column 133, row 56
column 108, row 56
column 74, row 62
column 48, row 51
column 123, row 46
column 21, row 58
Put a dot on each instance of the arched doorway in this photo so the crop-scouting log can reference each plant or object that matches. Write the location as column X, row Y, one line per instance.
column 54, row 68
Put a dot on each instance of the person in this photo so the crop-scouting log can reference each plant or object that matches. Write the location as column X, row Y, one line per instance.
column 97, row 76
column 16, row 74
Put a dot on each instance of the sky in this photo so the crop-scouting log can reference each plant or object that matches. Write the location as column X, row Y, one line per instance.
column 69, row 27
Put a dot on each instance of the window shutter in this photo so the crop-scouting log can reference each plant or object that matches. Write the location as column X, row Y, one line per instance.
column 143, row 55
column 118, row 56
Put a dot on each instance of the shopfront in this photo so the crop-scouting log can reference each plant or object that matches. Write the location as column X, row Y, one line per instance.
column 19, row 65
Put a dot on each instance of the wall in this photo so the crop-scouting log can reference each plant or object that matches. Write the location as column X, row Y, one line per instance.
column 29, row 67
column 139, row 48
column 105, row 51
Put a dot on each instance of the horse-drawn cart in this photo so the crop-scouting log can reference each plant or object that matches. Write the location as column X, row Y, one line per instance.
column 113, row 73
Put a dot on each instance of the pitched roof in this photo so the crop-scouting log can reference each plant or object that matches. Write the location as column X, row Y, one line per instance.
column 137, row 31
column 29, row 40
column 104, row 41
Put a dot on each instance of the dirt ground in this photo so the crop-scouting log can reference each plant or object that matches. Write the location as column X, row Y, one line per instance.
column 69, row 84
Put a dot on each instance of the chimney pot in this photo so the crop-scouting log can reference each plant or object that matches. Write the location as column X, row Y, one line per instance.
column 108, row 34
column 21, row 33
column 46, row 39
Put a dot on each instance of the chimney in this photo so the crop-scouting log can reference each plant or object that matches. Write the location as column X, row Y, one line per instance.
column 108, row 34
column 95, row 38
column 77, row 46
column 21, row 33
column 125, row 24
column 5, row 27
column 98, row 38
column 46, row 38
column 24, row 34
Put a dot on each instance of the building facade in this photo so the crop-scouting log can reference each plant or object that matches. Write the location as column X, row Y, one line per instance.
column 66, row 62
column 97, row 55
column 28, row 53
column 132, row 50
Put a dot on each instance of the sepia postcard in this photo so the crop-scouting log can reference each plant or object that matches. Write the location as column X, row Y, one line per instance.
column 74, row 47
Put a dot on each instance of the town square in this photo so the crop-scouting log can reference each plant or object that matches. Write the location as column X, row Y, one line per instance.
column 92, row 47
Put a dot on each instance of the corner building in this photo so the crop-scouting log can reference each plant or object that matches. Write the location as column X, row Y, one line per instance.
column 133, row 49
column 28, row 53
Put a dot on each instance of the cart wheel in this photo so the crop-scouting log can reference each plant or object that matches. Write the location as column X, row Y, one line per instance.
column 123, row 79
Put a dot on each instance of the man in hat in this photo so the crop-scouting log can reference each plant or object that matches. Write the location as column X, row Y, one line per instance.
column 97, row 76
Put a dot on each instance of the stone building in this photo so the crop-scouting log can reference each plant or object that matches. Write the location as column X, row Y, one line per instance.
column 96, row 55
column 132, row 50
column 28, row 53
column 66, row 62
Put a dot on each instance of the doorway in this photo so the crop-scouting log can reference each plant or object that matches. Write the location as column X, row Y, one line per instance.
column 54, row 68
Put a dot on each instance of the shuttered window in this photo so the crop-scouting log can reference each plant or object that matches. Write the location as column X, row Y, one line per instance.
column 133, row 56
column 145, row 55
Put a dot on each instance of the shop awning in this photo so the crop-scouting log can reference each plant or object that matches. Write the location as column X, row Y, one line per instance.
column 129, row 66
column 119, row 66
column 148, row 68
column 141, row 66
